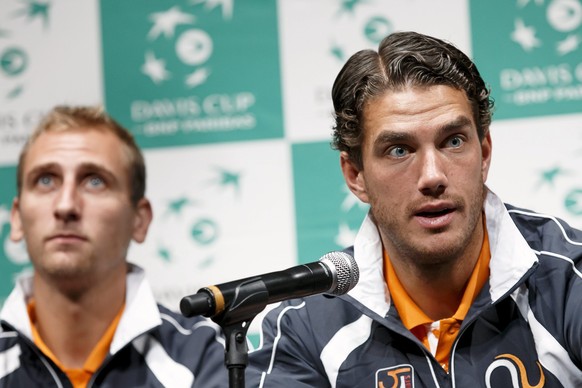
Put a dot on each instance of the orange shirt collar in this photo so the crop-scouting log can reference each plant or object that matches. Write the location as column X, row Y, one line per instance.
column 98, row 353
column 411, row 315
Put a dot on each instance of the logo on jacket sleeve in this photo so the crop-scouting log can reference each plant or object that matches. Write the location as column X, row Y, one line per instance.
column 399, row 376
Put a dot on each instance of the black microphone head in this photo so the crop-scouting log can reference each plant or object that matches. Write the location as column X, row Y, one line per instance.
column 345, row 271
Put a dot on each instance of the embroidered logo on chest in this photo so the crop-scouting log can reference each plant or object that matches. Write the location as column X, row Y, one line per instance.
column 399, row 376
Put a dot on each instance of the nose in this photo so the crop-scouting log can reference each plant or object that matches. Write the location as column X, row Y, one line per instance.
column 67, row 203
column 432, row 178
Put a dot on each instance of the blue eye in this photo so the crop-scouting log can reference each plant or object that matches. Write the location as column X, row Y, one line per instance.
column 398, row 152
column 455, row 142
column 45, row 180
column 95, row 181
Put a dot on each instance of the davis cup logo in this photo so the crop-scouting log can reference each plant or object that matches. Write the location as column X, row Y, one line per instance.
column 193, row 47
column 188, row 72
column 560, row 37
column 193, row 230
column 564, row 17
column 371, row 27
column 564, row 183
column 532, row 59
column 186, row 224
column 25, row 29
column 186, row 229
column 14, row 59
column 13, row 62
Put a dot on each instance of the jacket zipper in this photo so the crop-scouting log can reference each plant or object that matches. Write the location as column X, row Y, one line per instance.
column 43, row 359
column 517, row 284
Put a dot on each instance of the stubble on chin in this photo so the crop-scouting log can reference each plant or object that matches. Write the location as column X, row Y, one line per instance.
column 429, row 253
column 65, row 269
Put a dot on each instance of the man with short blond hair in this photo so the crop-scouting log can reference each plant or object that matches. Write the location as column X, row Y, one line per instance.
column 85, row 316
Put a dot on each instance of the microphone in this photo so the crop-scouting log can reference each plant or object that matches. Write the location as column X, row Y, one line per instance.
column 335, row 273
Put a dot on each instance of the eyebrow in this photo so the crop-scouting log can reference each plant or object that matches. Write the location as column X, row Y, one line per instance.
column 83, row 168
column 456, row 124
column 41, row 168
column 397, row 137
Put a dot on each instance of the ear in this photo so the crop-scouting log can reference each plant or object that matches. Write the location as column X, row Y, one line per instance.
column 16, row 232
column 354, row 177
column 142, row 221
column 486, row 148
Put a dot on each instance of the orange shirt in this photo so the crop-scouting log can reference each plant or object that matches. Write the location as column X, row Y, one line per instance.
column 79, row 377
column 438, row 336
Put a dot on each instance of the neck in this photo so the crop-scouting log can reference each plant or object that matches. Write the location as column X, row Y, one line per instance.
column 72, row 323
column 437, row 291
column 438, row 288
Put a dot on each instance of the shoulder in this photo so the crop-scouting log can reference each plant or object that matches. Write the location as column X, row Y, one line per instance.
column 179, row 349
column 316, row 317
column 175, row 325
column 197, row 342
column 8, row 337
column 547, row 234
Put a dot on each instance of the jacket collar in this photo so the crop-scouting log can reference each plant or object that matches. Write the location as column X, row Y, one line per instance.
column 511, row 256
column 141, row 312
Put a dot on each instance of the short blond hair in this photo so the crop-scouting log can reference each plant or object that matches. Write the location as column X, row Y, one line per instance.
column 63, row 118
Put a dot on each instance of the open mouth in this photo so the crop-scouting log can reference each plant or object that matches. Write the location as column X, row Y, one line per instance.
column 434, row 214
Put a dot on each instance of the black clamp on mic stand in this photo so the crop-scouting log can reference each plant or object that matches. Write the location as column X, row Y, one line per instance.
column 248, row 301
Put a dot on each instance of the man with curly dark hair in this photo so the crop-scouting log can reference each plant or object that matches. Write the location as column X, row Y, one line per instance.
column 456, row 289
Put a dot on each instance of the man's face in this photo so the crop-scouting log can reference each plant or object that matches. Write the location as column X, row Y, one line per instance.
column 424, row 171
column 74, row 211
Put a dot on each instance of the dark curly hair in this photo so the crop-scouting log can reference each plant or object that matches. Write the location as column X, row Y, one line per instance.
column 403, row 59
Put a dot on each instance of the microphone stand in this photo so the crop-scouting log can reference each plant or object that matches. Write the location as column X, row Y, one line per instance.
column 236, row 354
column 235, row 321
